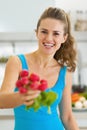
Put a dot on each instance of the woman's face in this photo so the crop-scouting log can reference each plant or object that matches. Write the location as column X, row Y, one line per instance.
column 50, row 35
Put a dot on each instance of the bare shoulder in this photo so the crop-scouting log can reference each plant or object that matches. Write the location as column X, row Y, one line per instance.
column 13, row 62
column 68, row 74
column 11, row 74
column 13, row 65
column 68, row 78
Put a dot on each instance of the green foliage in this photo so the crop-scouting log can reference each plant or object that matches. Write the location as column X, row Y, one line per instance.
column 73, row 104
column 44, row 99
column 84, row 94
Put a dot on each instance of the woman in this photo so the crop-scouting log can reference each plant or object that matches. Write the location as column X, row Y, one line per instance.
column 54, row 60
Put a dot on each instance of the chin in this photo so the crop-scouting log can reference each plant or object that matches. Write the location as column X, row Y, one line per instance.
column 49, row 52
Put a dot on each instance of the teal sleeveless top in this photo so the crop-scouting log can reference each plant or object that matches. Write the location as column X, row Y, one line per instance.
column 41, row 120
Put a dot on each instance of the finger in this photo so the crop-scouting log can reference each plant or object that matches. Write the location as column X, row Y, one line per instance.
column 28, row 103
column 32, row 96
column 33, row 92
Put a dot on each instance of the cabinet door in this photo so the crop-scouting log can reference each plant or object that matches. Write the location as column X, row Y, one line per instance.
column 83, row 128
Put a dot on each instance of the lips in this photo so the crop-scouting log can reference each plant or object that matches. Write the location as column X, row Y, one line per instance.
column 49, row 44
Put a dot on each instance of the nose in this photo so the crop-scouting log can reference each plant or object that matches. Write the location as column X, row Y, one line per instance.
column 49, row 37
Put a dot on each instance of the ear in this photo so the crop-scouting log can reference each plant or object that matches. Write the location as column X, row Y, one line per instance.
column 65, row 37
column 35, row 32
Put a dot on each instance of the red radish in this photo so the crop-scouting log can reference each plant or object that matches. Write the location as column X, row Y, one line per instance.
column 42, row 87
column 34, row 85
column 24, row 73
column 19, row 83
column 33, row 77
column 24, row 80
column 22, row 90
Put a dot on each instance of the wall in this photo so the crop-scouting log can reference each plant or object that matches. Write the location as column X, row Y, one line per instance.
column 72, row 5
column 21, row 15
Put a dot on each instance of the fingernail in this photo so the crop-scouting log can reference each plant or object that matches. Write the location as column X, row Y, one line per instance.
column 37, row 95
column 39, row 92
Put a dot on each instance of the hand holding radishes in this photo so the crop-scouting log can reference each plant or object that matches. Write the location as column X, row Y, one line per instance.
column 34, row 88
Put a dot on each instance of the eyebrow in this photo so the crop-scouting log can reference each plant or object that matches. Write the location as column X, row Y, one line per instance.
column 55, row 31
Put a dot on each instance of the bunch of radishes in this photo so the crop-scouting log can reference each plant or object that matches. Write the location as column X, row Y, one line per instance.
column 33, row 81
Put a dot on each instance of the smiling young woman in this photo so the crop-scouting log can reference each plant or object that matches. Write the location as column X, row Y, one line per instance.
column 54, row 60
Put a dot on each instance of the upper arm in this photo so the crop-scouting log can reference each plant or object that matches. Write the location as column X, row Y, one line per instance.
column 12, row 70
column 65, row 105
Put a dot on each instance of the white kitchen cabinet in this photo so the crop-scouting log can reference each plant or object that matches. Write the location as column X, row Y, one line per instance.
column 6, row 122
column 80, row 36
column 83, row 128
column 81, row 118
column 6, row 112
column 15, row 43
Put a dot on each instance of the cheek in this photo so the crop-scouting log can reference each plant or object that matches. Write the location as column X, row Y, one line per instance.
column 40, row 37
column 58, row 45
column 60, row 40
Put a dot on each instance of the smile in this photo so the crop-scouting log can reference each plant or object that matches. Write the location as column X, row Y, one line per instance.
column 49, row 44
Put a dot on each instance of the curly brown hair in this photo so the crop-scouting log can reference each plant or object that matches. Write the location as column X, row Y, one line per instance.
column 66, row 55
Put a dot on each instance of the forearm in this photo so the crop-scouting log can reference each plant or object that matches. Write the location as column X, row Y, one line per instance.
column 71, row 124
column 10, row 100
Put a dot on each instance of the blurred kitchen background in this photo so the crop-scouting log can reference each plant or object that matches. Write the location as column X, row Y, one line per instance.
column 18, row 19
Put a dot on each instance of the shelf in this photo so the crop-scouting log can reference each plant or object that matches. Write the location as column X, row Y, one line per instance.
column 6, row 112
column 80, row 36
column 81, row 118
column 17, row 36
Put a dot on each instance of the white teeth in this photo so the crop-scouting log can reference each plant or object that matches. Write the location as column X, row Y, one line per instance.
column 48, row 44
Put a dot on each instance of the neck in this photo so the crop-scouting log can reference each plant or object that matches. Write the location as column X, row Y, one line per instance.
column 43, row 60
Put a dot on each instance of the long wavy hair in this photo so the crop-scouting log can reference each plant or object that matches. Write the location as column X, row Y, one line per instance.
column 66, row 55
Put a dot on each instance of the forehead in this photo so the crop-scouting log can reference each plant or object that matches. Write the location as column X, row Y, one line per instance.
column 52, row 24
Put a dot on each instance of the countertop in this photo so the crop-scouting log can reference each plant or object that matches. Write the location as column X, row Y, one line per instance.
column 81, row 117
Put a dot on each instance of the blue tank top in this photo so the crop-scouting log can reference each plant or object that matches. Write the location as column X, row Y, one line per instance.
column 41, row 120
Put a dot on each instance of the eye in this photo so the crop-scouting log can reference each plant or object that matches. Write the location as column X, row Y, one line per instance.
column 56, row 34
column 43, row 32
